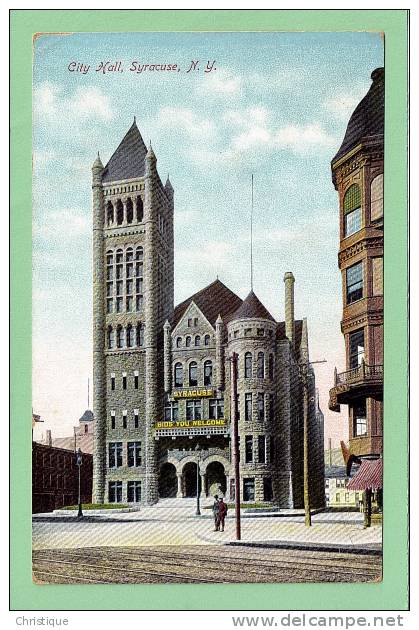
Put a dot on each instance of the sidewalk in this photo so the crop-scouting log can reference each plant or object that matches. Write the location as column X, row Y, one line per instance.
column 173, row 522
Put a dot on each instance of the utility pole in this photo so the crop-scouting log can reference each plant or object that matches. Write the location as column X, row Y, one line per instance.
column 236, row 451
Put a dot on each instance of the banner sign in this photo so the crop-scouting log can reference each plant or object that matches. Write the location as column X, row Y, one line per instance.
column 189, row 423
column 193, row 393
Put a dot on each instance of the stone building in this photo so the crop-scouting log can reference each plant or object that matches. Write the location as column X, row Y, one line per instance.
column 357, row 173
column 162, row 374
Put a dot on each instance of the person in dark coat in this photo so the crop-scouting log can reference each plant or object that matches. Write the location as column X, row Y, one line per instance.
column 215, row 512
column 222, row 513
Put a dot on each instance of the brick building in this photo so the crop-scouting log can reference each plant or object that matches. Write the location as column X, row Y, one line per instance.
column 55, row 478
column 82, row 435
column 162, row 375
column 357, row 172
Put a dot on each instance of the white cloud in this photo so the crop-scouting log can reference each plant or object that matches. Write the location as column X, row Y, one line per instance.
column 220, row 82
column 212, row 254
column 85, row 103
column 177, row 119
column 303, row 138
column 63, row 224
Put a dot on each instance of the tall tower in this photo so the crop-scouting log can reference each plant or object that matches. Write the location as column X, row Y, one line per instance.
column 132, row 297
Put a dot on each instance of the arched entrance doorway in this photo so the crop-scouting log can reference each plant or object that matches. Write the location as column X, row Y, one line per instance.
column 216, row 479
column 167, row 481
column 189, row 479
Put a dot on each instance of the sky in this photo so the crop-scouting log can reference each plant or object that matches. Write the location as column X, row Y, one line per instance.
column 274, row 105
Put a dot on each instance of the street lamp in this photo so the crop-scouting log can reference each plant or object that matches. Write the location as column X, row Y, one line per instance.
column 79, row 461
column 198, row 459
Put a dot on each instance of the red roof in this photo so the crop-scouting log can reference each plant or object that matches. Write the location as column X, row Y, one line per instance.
column 369, row 475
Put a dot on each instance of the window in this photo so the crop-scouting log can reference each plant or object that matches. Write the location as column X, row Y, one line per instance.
column 206, row 340
column 354, row 283
column 271, row 407
column 109, row 305
column 193, row 374
column 171, row 411
column 337, row 497
column 178, row 375
column 134, row 491
column 115, row 492
column 261, row 449
column 119, row 305
column 248, row 449
column 377, row 276
column 261, row 365
column 139, row 209
column 360, row 419
column 115, row 454
column 261, row 332
column 197, row 340
column 124, row 380
column 124, row 419
column 377, row 197
column 248, row 407
column 267, row 489
column 120, row 337
column 216, row 409
column 188, row 342
column 356, row 348
column 346, row 497
column 136, row 419
column 134, row 454
column 271, row 367
column 111, row 339
column 130, row 210
column 248, row 365
column 140, row 335
column 129, row 255
column 113, row 420
column 352, row 210
column 247, row 332
column 119, row 287
column 112, row 382
column 195, row 321
column 130, row 336
column 248, row 489
column 189, row 323
column 208, row 373
column 136, row 380
column 261, row 407
column 193, row 410
column 178, row 342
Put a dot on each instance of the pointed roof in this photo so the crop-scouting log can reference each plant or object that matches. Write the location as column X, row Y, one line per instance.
column 87, row 416
column 252, row 308
column 215, row 299
column 128, row 160
column 368, row 117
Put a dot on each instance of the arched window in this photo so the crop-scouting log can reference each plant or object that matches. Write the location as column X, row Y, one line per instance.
column 197, row 340
column 193, row 374
column 188, row 341
column 377, row 197
column 120, row 337
column 271, row 366
column 206, row 340
column 178, row 342
column 261, row 365
column 178, row 375
column 130, row 336
column 248, row 365
column 208, row 373
column 119, row 212
column 139, row 209
column 109, row 213
column 129, row 255
column 352, row 210
column 140, row 335
column 139, row 253
column 130, row 210
column 110, row 338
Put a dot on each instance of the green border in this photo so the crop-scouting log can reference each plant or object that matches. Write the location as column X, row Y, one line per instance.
column 392, row 592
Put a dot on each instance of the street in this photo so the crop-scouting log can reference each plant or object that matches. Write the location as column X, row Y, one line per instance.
column 194, row 564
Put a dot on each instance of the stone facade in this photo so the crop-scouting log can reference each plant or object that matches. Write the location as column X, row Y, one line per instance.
column 162, row 374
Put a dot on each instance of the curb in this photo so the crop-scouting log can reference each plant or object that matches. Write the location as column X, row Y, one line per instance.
column 375, row 550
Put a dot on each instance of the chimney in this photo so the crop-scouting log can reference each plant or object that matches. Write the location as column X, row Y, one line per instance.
column 48, row 438
column 289, row 307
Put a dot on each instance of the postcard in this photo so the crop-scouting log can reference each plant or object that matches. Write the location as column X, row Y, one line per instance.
column 209, row 304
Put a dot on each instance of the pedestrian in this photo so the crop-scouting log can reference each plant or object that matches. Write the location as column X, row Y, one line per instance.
column 222, row 512
column 215, row 511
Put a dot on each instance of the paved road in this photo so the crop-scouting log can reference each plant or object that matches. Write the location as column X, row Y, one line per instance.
column 198, row 564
